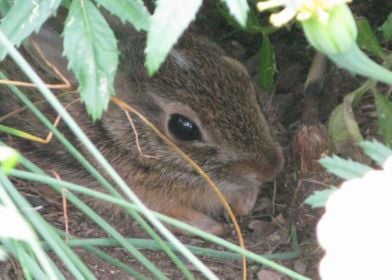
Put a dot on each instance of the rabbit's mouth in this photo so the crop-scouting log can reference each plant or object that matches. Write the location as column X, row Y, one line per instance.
column 241, row 195
column 257, row 172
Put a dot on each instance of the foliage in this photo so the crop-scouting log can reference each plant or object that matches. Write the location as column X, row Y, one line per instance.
column 23, row 18
column 89, row 43
column 267, row 64
column 358, row 214
column 91, row 49
column 343, row 126
column 376, row 151
column 367, row 39
column 167, row 24
column 133, row 12
column 343, row 168
column 386, row 28
column 384, row 113
column 348, row 169
column 319, row 198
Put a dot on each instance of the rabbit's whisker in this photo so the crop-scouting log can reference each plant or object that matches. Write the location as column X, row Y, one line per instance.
column 136, row 135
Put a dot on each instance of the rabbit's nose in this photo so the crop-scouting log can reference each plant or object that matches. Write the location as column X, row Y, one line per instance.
column 260, row 169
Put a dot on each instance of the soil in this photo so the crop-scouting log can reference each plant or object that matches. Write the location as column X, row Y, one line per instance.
column 280, row 207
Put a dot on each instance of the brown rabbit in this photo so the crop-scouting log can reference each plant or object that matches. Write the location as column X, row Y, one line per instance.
column 201, row 99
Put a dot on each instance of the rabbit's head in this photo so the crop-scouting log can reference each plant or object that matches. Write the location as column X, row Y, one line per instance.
column 206, row 103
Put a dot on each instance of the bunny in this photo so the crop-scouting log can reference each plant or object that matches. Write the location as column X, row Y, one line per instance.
column 201, row 99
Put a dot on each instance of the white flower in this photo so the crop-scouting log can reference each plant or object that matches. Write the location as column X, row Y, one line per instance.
column 8, row 158
column 14, row 226
column 6, row 153
column 356, row 229
column 300, row 9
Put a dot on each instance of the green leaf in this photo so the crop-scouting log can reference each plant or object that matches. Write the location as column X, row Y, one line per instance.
column 267, row 68
column 132, row 11
column 345, row 169
column 4, row 7
column 367, row 40
column 377, row 151
column 386, row 28
column 3, row 254
column 319, row 198
column 91, row 49
column 344, row 129
column 238, row 9
column 384, row 114
column 252, row 25
column 168, row 22
column 24, row 18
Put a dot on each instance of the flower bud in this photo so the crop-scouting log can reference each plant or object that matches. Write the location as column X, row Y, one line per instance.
column 336, row 34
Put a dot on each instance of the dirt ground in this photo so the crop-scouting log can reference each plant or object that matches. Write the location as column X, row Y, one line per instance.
column 280, row 206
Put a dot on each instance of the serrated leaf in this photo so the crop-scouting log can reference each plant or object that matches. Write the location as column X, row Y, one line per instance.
column 238, row 9
column 3, row 254
column 343, row 168
column 267, row 64
column 168, row 22
column 24, row 18
column 344, row 129
column 384, row 114
column 132, row 11
column 319, row 198
column 4, row 7
column 253, row 24
column 367, row 40
column 376, row 151
column 386, row 28
column 91, row 49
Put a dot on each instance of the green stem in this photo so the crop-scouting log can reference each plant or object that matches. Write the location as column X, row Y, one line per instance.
column 357, row 61
column 152, row 245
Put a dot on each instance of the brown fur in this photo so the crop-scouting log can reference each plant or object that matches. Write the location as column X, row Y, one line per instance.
column 197, row 80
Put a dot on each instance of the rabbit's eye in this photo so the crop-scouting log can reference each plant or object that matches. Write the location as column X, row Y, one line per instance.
column 183, row 128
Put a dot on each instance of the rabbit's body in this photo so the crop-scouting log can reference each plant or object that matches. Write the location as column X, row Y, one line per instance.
column 202, row 100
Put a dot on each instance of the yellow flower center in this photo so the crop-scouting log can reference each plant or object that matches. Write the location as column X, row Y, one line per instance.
column 299, row 9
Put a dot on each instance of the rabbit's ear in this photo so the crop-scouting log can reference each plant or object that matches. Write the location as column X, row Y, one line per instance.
column 46, row 49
